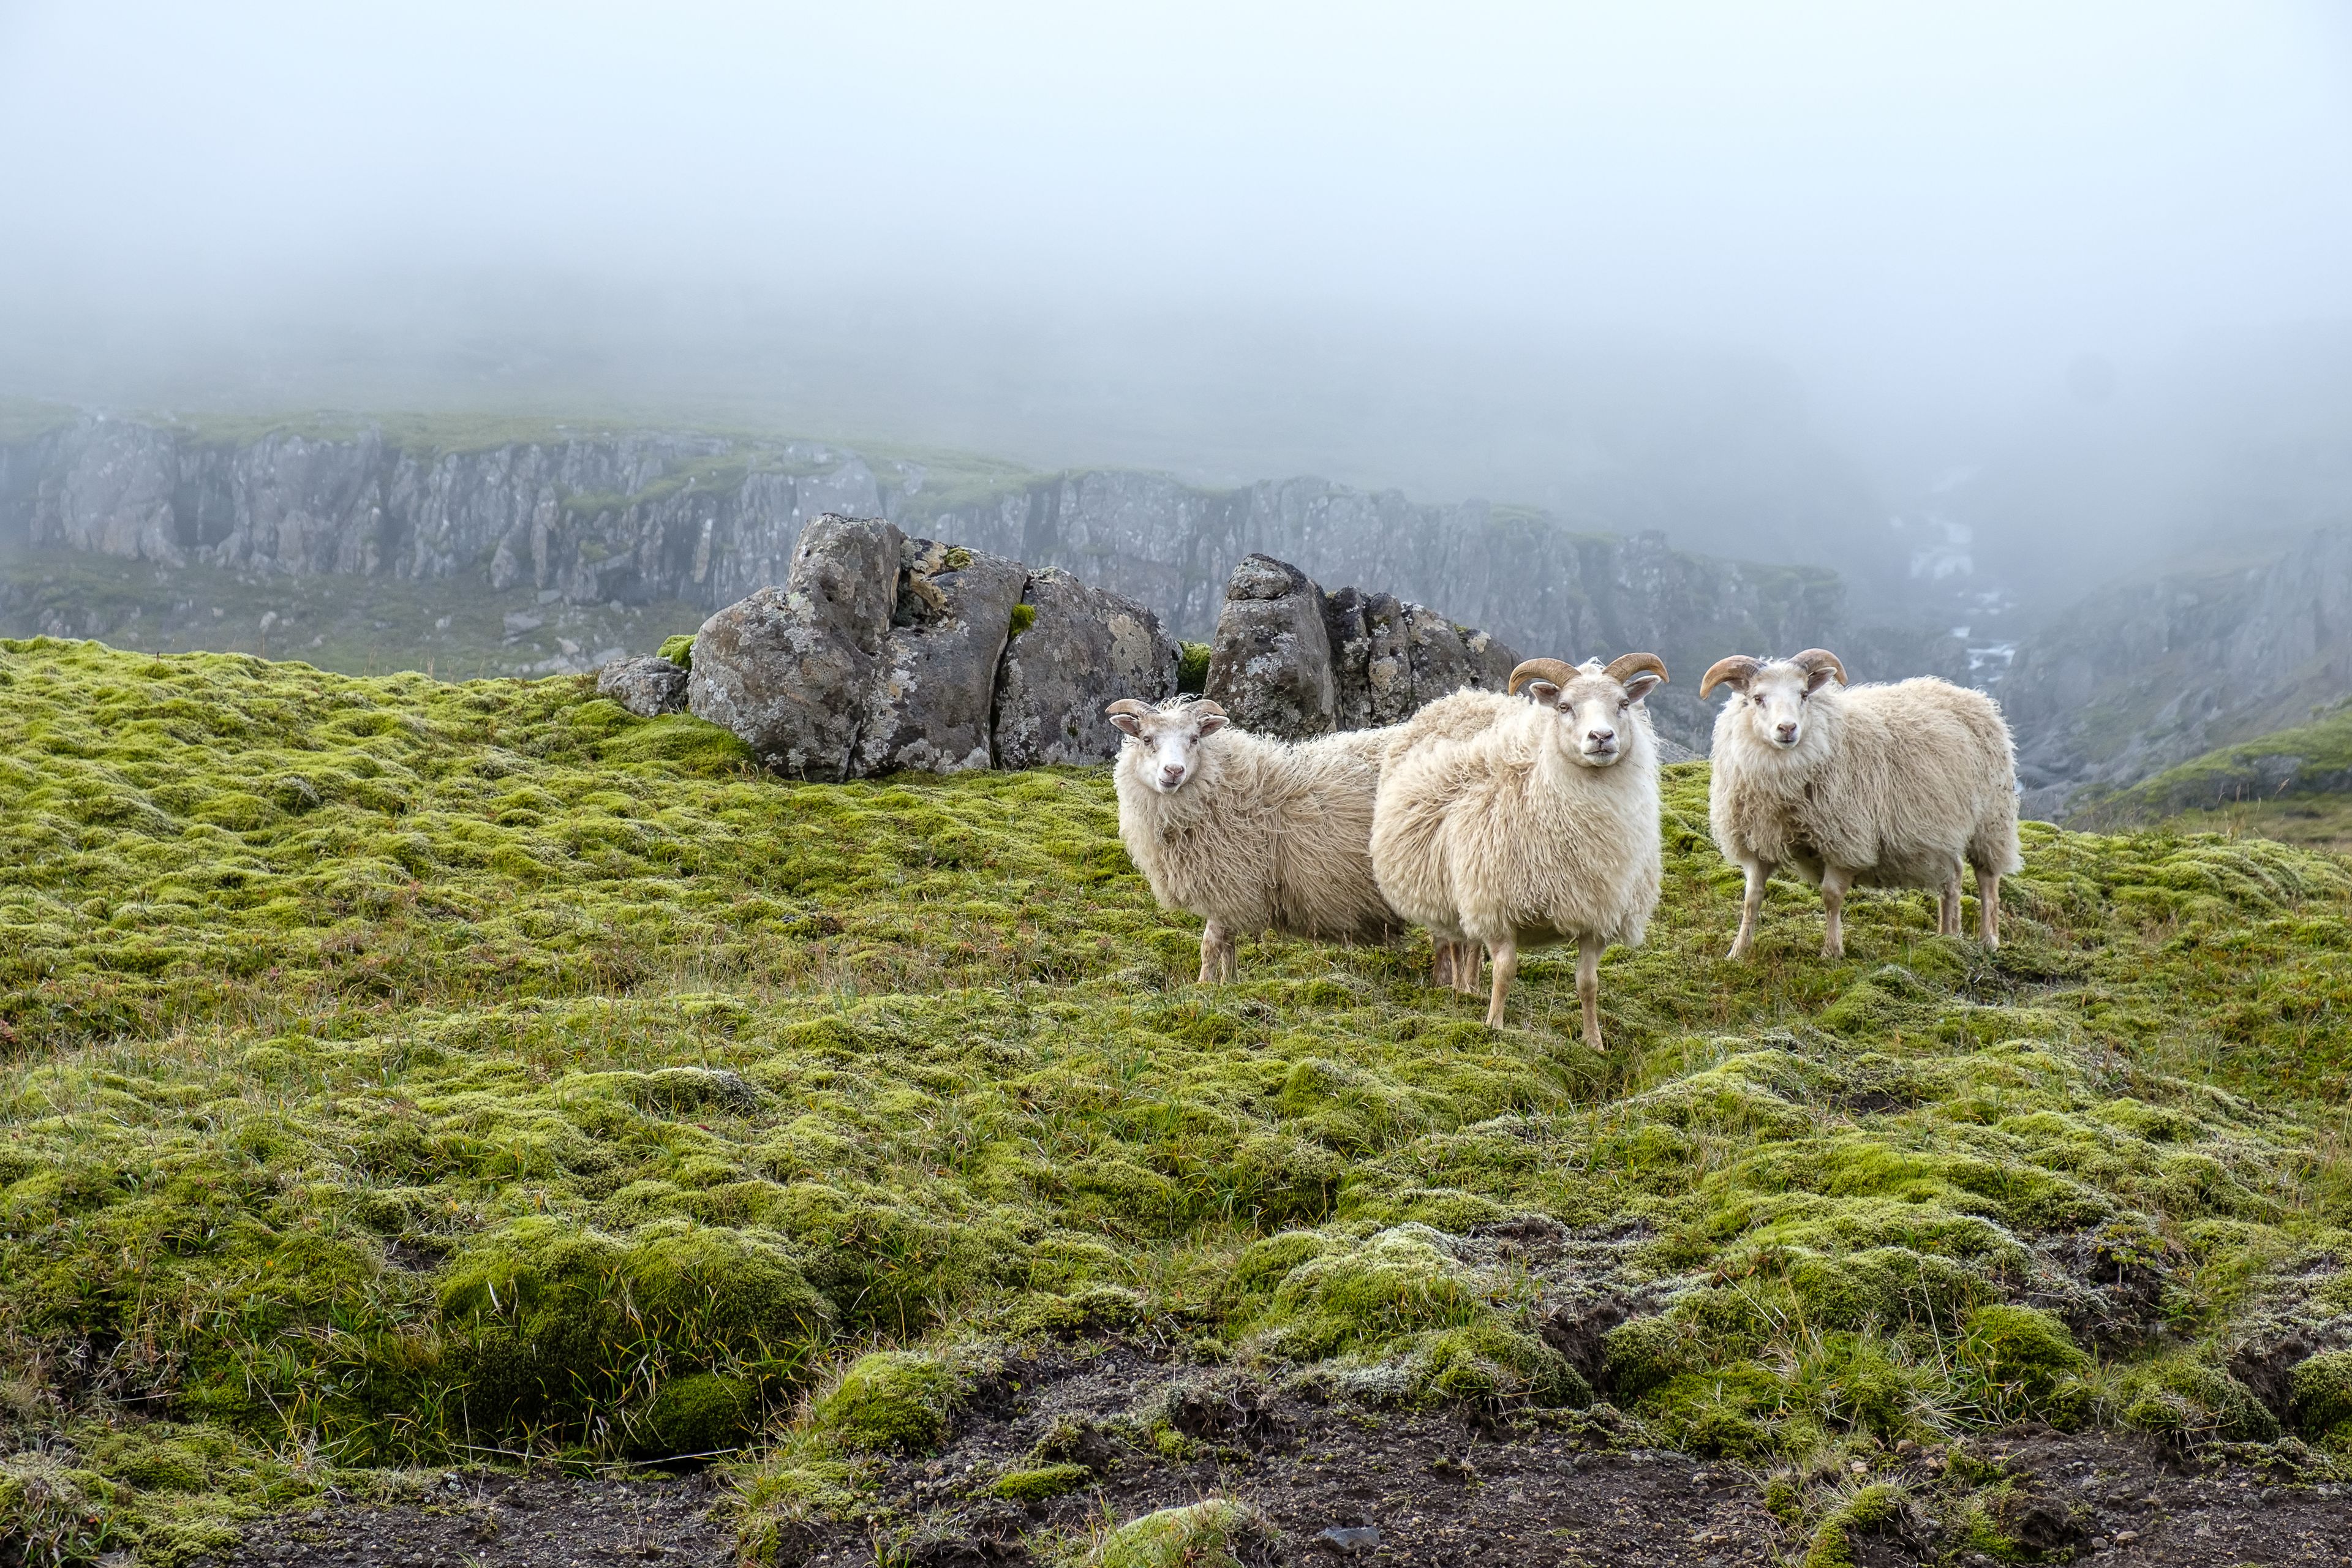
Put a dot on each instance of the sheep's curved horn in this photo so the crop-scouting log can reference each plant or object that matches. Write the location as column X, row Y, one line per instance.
column 1737, row 668
column 1626, row 664
column 1558, row 671
column 1814, row 658
column 1202, row 705
column 1127, row 705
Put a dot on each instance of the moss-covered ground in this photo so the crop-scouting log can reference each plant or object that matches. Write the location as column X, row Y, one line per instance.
column 397, row 1073
column 2292, row 784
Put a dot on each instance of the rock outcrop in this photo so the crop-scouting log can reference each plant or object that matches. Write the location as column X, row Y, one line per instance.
column 935, row 692
column 647, row 686
column 1078, row 650
column 791, row 670
column 882, row 652
column 1291, row 660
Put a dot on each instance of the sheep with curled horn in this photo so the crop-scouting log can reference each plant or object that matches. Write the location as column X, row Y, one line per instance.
column 1540, row 828
column 1249, row 833
column 1876, row 787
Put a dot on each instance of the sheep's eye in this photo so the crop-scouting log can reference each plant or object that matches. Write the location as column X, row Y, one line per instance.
column 1623, row 703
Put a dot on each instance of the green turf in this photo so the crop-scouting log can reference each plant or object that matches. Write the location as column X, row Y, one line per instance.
column 397, row 1073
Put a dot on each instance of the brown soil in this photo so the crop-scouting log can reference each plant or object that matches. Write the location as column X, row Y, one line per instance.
column 1439, row 1488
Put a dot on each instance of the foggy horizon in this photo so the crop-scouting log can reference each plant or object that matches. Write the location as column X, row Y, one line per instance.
column 1510, row 252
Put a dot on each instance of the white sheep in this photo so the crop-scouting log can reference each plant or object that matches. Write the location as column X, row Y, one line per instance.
column 1249, row 833
column 1875, row 786
column 1540, row 828
column 1456, row 716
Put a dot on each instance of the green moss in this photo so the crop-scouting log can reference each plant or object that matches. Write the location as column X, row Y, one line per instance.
column 1193, row 668
column 678, row 649
column 1038, row 1485
column 397, row 1065
column 890, row 1400
column 2323, row 1398
column 1024, row 617
column 1211, row 1533
column 2181, row 1397
column 1874, row 1509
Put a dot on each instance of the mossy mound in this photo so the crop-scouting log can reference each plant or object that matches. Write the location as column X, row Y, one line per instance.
column 890, row 1401
column 1215, row 1533
column 1043, row 1482
column 390, row 1067
column 2323, row 1398
column 678, row 650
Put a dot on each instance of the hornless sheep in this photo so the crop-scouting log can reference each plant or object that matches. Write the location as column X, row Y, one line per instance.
column 1249, row 833
column 1876, row 787
column 1540, row 828
column 1456, row 716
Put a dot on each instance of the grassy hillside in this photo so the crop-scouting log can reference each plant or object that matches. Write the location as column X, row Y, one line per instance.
column 399, row 1074
column 2294, row 784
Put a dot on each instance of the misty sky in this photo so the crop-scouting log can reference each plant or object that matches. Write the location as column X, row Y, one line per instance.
column 1916, row 212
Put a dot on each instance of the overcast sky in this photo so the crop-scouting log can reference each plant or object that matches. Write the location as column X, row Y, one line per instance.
column 1911, row 208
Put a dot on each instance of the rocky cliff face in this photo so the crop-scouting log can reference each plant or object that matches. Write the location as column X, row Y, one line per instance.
column 635, row 518
column 2137, row 678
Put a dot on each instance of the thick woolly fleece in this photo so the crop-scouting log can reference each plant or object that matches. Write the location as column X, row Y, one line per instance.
column 1899, row 785
column 1267, row 834
column 1502, row 836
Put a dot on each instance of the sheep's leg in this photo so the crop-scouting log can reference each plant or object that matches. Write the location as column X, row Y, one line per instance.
column 1441, row 964
column 1506, row 955
column 1467, row 958
column 1988, row 909
column 1216, row 954
column 1588, row 987
column 1759, row 873
column 1947, row 917
column 1834, row 883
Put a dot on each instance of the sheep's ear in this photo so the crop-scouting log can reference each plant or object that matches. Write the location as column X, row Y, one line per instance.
column 1822, row 675
column 1640, row 685
column 1540, row 691
column 1128, row 722
column 1213, row 722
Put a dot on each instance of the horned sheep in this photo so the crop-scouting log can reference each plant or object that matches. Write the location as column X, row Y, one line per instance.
column 1875, row 786
column 1539, row 828
column 1250, row 833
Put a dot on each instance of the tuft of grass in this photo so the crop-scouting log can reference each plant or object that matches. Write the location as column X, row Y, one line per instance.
column 397, row 1073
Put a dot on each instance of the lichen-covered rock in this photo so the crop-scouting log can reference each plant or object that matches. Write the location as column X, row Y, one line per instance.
column 1270, row 664
column 1390, row 658
column 934, row 691
column 1081, row 649
column 791, row 670
column 648, row 687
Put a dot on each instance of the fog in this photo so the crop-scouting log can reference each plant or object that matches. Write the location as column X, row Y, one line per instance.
column 2036, row 285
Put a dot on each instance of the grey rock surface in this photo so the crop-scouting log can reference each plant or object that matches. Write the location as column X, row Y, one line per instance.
column 791, row 670
column 934, row 691
column 647, row 686
column 1270, row 661
column 2137, row 678
column 1084, row 649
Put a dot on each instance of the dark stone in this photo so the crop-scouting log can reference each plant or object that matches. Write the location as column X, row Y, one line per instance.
column 791, row 670
column 934, row 691
column 1081, row 650
column 1270, row 663
column 647, row 686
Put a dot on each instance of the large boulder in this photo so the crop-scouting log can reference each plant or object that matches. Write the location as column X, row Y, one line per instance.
column 1270, row 664
column 647, row 686
column 791, row 670
column 1080, row 649
column 935, row 689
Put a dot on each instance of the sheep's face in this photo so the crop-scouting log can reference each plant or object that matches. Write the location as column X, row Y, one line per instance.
column 1168, row 740
column 1595, row 712
column 1774, row 700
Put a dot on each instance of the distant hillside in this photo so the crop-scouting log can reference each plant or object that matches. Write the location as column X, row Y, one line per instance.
column 2294, row 784
column 599, row 529
column 2150, row 673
